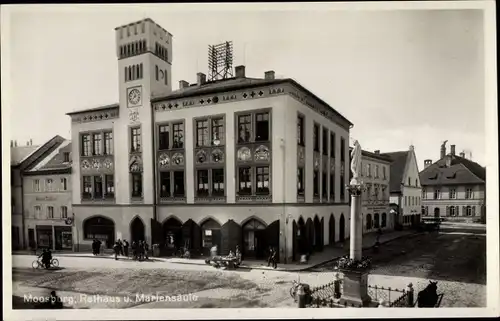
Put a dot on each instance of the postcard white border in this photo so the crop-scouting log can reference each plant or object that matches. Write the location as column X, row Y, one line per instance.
column 491, row 117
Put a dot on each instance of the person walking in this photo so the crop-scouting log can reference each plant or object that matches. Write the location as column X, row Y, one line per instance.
column 120, row 247
column 134, row 250
column 146, row 249
column 98, row 247
column 269, row 256
column 274, row 261
column 116, row 248
column 125, row 247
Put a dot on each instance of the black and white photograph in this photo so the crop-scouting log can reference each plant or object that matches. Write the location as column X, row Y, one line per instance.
column 197, row 160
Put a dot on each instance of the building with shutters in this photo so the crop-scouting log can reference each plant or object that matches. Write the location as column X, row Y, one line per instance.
column 47, row 200
column 247, row 161
column 454, row 188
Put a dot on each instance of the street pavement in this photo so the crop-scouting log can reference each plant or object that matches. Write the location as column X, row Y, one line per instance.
column 455, row 258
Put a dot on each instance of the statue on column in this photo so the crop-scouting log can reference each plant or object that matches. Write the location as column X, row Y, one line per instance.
column 356, row 163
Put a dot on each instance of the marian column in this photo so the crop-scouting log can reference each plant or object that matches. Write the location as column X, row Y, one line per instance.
column 355, row 188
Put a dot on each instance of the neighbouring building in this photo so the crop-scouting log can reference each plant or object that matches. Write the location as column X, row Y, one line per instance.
column 47, row 200
column 254, row 162
column 405, row 190
column 22, row 159
column 454, row 188
column 375, row 199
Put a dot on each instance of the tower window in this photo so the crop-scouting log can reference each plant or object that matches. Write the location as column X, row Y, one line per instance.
column 157, row 72
column 166, row 78
column 129, row 73
column 140, row 71
column 144, row 44
column 134, row 74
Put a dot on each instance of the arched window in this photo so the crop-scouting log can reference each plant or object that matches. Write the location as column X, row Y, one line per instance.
column 140, row 71
column 368, row 221
column 128, row 50
column 377, row 220
column 129, row 73
column 166, row 54
column 144, row 44
column 133, row 72
column 384, row 220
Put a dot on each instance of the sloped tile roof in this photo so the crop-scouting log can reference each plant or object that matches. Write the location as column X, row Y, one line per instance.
column 398, row 166
column 20, row 153
column 55, row 160
column 460, row 172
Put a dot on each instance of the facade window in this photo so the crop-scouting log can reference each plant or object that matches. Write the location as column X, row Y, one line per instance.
column 98, row 192
column 66, row 157
column 108, row 143
column 300, row 181
column 64, row 184
column 437, row 194
column 424, row 193
column 135, row 139
column 332, row 187
column 368, row 170
column 178, row 135
column 332, row 145
column 453, row 193
column 342, row 149
column 262, row 127
column 316, row 137
column 136, row 184
column 409, row 181
column 375, row 192
column 244, row 128
column 202, row 182
column 262, row 180
column 202, row 134
column 110, row 186
column 179, row 190
column 87, row 187
column 316, row 184
column 157, row 71
column 49, row 185
column 164, row 136
column 342, row 183
column 218, row 133
column 38, row 211
column 324, row 186
column 165, row 184
column 384, row 174
column 406, row 201
column 300, row 130
column 36, row 185
column 50, row 212
column 324, row 138
column 86, row 146
column 218, row 182
column 97, row 142
column 468, row 193
column 165, row 77
column 245, row 181
column 64, row 212
column 376, row 171
column 468, row 211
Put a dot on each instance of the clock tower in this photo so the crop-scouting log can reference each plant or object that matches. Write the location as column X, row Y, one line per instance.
column 144, row 51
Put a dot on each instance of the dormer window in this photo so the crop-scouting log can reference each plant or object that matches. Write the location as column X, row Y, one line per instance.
column 452, row 176
column 66, row 157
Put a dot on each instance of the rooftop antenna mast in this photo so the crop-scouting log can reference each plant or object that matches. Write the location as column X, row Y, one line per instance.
column 220, row 61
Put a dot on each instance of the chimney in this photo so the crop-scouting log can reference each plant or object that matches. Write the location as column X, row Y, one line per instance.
column 452, row 150
column 443, row 151
column 377, row 152
column 31, row 142
column 448, row 161
column 462, row 154
column 202, row 78
column 15, row 143
column 412, row 147
column 11, row 143
column 427, row 163
column 240, row 71
column 183, row 84
column 269, row 75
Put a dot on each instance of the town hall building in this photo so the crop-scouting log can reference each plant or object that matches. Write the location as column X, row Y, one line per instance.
column 241, row 161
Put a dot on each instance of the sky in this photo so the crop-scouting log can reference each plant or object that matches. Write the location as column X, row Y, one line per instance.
column 412, row 77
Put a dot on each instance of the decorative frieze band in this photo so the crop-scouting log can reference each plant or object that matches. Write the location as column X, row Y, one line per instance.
column 95, row 116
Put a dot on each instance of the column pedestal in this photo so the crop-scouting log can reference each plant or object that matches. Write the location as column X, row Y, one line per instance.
column 355, row 288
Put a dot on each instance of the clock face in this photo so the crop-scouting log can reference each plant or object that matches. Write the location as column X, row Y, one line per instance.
column 134, row 96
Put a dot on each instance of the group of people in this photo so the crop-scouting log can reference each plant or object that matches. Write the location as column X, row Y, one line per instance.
column 139, row 249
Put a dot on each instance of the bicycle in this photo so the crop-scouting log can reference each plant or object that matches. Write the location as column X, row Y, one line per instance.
column 37, row 264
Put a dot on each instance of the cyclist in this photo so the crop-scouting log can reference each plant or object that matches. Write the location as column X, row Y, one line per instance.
column 46, row 257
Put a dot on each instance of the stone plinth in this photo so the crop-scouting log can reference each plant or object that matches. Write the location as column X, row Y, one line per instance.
column 355, row 288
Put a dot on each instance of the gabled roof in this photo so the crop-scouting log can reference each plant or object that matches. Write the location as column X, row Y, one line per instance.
column 460, row 171
column 55, row 160
column 398, row 166
column 19, row 153
column 373, row 155
column 31, row 159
